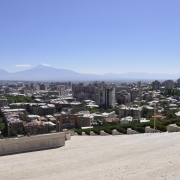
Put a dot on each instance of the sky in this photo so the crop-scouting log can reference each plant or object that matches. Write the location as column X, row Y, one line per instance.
column 96, row 36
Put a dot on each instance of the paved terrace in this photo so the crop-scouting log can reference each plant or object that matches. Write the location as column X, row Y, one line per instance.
column 141, row 156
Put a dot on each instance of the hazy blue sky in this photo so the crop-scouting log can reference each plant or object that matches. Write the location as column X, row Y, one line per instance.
column 91, row 36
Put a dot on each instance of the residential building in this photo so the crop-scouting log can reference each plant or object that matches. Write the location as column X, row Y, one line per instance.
column 42, row 109
column 123, row 97
column 107, row 97
column 134, row 94
column 55, row 93
column 71, row 121
column 134, row 111
column 65, row 121
column 43, row 87
column 155, row 85
column 169, row 84
column 61, row 89
column 178, row 83
column 3, row 102
column 13, row 123
column 36, row 127
column 139, row 84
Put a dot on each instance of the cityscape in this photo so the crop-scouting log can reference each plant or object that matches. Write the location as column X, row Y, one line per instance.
column 89, row 90
column 29, row 108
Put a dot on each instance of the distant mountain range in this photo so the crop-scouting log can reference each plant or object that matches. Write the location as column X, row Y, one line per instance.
column 48, row 73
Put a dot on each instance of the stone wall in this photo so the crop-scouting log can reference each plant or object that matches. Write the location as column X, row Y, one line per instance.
column 115, row 132
column 173, row 128
column 130, row 131
column 32, row 143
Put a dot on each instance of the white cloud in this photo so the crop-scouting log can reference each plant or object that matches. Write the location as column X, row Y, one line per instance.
column 45, row 64
column 22, row 65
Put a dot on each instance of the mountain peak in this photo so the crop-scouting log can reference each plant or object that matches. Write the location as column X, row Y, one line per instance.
column 42, row 65
column 47, row 65
column 2, row 70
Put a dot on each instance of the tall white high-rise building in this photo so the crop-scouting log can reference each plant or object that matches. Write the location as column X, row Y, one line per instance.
column 107, row 97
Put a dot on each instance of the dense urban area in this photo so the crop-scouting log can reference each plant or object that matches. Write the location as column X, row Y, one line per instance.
column 28, row 108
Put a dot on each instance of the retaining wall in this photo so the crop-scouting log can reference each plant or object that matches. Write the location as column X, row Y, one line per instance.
column 32, row 143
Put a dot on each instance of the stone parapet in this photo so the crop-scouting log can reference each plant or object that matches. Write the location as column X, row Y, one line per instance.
column 93, row 134
column 115, row 132
column 71, row 132
column 32, row 143
column 84, row 134
column 148, row 129
column 102, row 133
column 130, row 131
column 67, row 136
column 173, row 128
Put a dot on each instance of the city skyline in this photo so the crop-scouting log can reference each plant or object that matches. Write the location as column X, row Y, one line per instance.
column 91, row 37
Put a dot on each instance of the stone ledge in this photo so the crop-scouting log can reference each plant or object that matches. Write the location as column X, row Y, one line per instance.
column 130, row 131
column 173, row 128
column 32, row 143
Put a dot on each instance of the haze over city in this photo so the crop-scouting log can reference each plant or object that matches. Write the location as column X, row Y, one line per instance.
column 95, row 37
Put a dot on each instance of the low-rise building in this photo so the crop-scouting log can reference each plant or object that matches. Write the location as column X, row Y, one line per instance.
column 13, row 124
column 65, row 121
column 134, row 111
column 36, row 127
column 3, row 102
column 42, row 109
column 71, row 121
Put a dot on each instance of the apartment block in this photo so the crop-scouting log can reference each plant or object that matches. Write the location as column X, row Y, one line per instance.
column 134, row 94
column 169, row 84
column 42, row 109
column 133, row 111
column 107, row 97
column 13, row 123
column 71, row 121
column 156, row 85
column 37, row 127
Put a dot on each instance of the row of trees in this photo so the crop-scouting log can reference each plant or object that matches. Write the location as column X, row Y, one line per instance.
column 19, row 99
column 171, row 92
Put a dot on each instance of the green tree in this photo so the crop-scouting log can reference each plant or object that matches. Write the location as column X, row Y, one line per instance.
column 14, row 133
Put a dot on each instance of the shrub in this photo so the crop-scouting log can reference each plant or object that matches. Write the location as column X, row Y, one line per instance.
column 121, row 130
column 178, row 124
column 96, row 131
column 166, row 122
column 125, row 126
column 140, row 129
column 161, row 128
column 87, row 131
column 107, row 131
column 144, row 124
column 14, row 133
column 79, row 131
